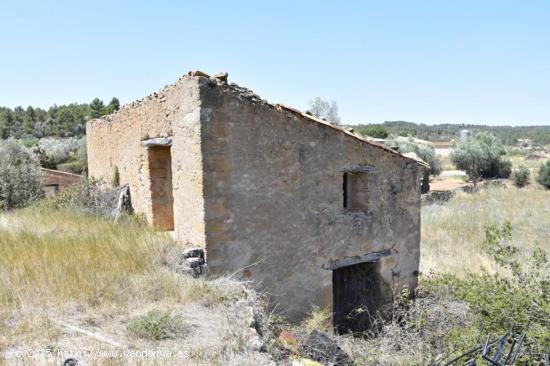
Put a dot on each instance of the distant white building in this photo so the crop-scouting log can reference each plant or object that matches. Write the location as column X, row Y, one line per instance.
column 465, row 135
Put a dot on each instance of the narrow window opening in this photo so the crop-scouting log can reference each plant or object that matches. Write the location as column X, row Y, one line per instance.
column 355, row 191
column 160, row 168
column 345, row 190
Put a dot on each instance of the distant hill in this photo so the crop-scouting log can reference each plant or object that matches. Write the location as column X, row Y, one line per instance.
column 446, row 131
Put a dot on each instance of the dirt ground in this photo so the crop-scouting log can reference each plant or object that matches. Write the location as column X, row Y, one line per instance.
column 446, row 184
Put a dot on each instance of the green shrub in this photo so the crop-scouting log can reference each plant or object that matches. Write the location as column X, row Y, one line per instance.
column 57, row 150
column 424, row 151
column 115, row 179
column 503, row 169
column 516, row 302
column 376, row 131
column 157, row 325
column 19, row 175
column 521, row 176
column 30, row 142
column 77, row 167
column 482, row 156
column 544, row 175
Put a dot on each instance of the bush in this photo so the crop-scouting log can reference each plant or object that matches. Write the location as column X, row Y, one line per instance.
column 376, row 131
column 19, row 175
column 521, row 176
column 516, row 301
column 86, row 196
column 30, row 142
column 77, row 167
column 482, row 156
column 503, row 169
column 156, row 325
column 423, row 151
column 82, row 151
column 55, row 151
column 544, row 175
column 115, row 179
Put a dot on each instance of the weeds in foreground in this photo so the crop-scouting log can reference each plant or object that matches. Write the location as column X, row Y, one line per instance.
column 505, row 303
column 157, row 325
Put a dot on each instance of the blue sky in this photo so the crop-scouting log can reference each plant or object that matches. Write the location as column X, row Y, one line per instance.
column 423, row 61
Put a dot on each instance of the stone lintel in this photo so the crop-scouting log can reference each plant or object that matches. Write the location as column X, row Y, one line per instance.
column 350, row 261
column 359, row 169
column 157, row 141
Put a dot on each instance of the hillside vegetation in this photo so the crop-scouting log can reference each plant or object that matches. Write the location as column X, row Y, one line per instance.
column 59, row 121
column 446, row 131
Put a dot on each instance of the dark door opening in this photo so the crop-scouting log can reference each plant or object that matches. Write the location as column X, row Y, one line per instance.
column 160, row 168
column 358, row 296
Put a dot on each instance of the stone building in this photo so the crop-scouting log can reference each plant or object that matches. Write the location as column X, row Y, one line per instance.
column 54, row 181
column 316, row 215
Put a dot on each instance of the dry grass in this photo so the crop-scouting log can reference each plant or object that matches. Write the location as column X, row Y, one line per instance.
column 446, row 163
column 453, row 233
column 51, row 258
column 418, row 335
column 80, row 269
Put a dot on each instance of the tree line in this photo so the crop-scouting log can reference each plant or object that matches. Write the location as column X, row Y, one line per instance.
column 509, row 135
column 56, row 121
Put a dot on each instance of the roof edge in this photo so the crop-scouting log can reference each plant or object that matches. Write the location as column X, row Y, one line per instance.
column 353, row 135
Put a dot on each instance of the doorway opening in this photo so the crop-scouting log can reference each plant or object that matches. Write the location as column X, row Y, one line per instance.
column 359, row 293
column 160, row 169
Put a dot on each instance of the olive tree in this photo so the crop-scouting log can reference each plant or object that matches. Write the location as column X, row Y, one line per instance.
column 324, row 109
column 543, row 177
column 482, row 156
column 53, row 151
column 19, row 175
column 424, row 151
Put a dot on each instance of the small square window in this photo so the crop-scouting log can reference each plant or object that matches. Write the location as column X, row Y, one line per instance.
column 355, row 190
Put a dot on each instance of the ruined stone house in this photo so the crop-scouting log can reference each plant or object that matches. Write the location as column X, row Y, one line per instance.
column 54, row 181
column 314, row 214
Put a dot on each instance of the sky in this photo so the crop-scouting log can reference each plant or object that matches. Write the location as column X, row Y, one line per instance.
column 466, row 61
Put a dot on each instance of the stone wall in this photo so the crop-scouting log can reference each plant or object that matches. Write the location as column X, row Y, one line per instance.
column 274, row 200
column 56, row 180
column 116, row 140
column 261, row 187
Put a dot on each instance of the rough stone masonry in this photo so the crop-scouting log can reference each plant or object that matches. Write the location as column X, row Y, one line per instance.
column 272, row 195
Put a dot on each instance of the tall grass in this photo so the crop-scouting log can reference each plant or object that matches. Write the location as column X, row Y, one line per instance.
column 453, row 233
column 57, row 257
column 53, row 258
column 59, row 264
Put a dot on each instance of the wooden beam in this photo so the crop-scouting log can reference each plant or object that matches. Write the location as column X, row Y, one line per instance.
column 350, row 261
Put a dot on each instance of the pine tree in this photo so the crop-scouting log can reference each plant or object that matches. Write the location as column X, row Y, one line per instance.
column 113, row 106
column 29, row 121
column 96, row 108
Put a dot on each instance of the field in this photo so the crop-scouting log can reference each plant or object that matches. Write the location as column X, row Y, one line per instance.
column 75, row 281
column 453, row 234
